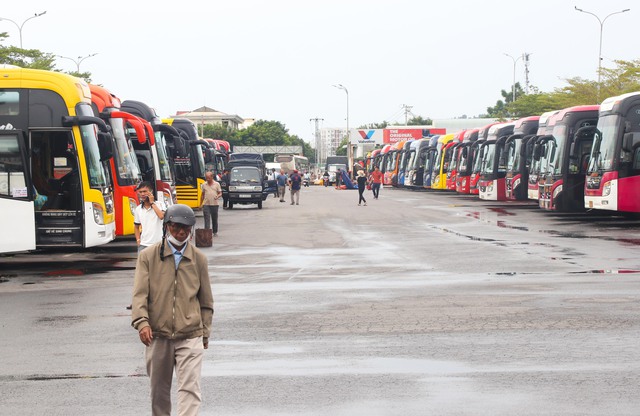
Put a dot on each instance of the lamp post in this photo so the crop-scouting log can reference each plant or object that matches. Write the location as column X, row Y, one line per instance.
column 22, row 25
column 79, row 60
column 600, row 48
column 513, row 86
column 349, row 148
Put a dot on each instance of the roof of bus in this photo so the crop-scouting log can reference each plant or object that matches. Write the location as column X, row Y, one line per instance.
column 73, row 90
column 576, row 109
column 103, row 98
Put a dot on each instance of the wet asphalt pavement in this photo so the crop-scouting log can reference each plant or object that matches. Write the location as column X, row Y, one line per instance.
column 421, row 303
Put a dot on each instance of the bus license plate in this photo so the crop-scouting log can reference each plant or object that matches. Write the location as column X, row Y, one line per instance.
column 245, row 195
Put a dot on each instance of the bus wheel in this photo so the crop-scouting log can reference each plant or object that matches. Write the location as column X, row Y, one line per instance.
column 259, row 204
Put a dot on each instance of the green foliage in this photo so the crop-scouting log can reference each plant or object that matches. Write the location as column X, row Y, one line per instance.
column 261, row 133
column 624, row 78
column 342, row 147
column 27, row 58
column 419, row 121
column 370, row 126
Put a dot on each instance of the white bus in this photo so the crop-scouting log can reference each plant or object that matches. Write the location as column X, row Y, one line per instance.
column 291, row 162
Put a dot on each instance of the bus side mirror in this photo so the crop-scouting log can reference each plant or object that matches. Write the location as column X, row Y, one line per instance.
column 105, row 146
column 630, row 141
column 537, row 150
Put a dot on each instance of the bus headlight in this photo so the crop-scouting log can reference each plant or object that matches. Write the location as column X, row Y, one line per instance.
column 557, row 191
column 606, row 188
column 166, row 197
column 490, row 187
column 436, row 181
column 132, row 205
column 98, row 213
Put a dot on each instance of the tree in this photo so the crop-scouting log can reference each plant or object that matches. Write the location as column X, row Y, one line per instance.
column 501, row 109
column 419, row 121
column 342, row 147
column 371, row 126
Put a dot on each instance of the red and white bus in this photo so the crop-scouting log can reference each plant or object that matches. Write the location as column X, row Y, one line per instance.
column 613, row 175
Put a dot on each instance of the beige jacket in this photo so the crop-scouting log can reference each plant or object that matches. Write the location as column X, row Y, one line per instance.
column 177, row 304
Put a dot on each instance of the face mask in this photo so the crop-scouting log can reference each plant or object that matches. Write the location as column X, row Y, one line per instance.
column 174, row 241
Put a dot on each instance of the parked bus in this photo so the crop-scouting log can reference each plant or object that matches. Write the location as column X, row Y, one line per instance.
column 393, row 163
column 452, row 164
column 404, row 161
column 465, row 161
column 613, row 175
column 562, row 187
column 414, row 173
column 190, row 167
column 125, row 172
column 385, row 154
column 155, row 155
column 54, row 186
column 493, row 168
column 291, row 162
column 440, row 163
column 538, row 165
column 518, row 156
column 476, row 164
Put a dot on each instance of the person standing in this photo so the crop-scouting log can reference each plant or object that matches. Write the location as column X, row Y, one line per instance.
column 172, row 312
column 376, row 178
column 147, row 217
column 225, row 185
column 211, row 193
column 295, row 180
column 362, row 185
column 281, row 181
column 273, row 180
column 338, row 178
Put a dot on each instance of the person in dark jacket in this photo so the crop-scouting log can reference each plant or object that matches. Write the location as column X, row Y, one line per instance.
column 362, row 185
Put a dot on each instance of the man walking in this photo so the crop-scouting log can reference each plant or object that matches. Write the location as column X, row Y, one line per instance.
column 295, row 180
column 172, row 311
column 376, row 180
column 225, row 185
column 211, row 193
column 281, row 180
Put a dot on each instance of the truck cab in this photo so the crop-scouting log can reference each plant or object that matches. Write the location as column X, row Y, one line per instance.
column 247, row 180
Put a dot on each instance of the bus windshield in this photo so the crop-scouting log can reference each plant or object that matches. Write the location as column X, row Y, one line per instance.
column 95, row 169
column 560, row 137
column 488, row 158
column 477, row 159
column 200, row 160
column 513, row 154
column 244, row 175
column 603, row 152
column 127, row 169
column 163, row 160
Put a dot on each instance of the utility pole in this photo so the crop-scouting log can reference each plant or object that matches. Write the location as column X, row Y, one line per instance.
column 526, row 72
column 318, row 141
column 407, row 111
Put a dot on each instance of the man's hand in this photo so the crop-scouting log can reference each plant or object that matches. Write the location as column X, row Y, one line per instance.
column 146, row 335
column 205, row 343
column 152, row 199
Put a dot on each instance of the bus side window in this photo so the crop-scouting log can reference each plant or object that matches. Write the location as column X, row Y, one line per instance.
column 636, row 159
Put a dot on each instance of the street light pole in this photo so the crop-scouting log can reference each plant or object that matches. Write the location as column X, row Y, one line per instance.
column 22, row 25
column 79, row 60
column 513, row 86
column 349, row 148
column 600, row 48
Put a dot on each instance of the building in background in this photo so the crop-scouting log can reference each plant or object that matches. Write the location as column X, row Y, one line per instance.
column 205, row 115
column 330, row 138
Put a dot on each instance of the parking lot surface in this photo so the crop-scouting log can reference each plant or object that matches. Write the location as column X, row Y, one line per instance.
column 419, row 303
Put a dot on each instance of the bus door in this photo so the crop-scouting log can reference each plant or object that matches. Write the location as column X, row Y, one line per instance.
column 55, row 173
column 17, row 194
column 578, row 165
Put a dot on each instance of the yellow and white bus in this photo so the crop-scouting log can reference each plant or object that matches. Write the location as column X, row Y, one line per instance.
column 54, row 186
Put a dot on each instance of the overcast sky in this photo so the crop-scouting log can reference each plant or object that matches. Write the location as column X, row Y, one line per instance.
column 277, row 59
